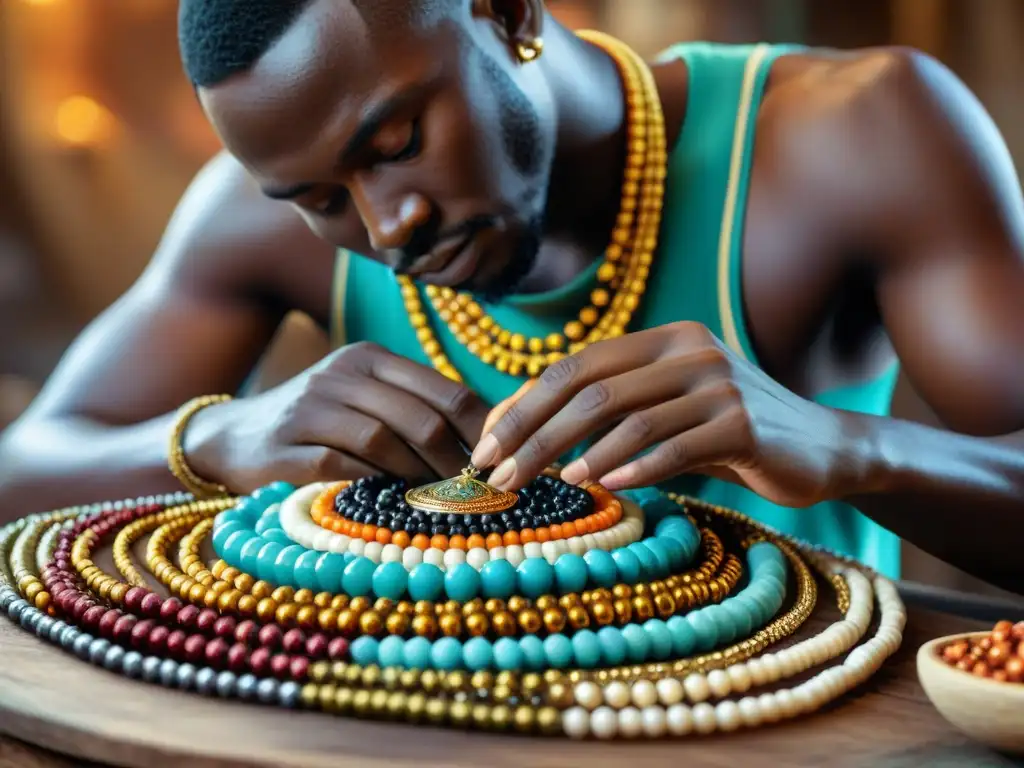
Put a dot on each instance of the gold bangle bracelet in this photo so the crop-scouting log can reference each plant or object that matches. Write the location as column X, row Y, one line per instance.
column 176, row 460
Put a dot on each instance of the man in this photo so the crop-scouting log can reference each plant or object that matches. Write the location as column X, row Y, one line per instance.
column 823, row 215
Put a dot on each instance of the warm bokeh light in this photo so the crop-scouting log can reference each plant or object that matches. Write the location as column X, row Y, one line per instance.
column 82, row 121
column 40, row 2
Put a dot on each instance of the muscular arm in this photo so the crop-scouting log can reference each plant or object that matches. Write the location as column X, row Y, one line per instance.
column 194, row 323
column 947, row 216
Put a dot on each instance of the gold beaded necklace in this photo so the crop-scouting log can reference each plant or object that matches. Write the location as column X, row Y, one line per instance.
column 622, row 275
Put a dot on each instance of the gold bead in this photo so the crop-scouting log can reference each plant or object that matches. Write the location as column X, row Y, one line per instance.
column 370, row 623
column 545, row 603
column 560, row 695
column 210, row 598
column 359, row 604
column 424, row 608
column 348, row 622
column 481, row 680
column 517, row 603
column 554, row 620
column 603, row 612
column 460, row 713
column 327, row 619
column 531, row 683
column 476, row 605
column 494, row 605
column 575, row 330
column 370, row 676
column 524, row 718
column 436, row 711
column 397, row 624
column 383, row 605
column 451, row 625
column 118, row 592
column 529, row 621
column 361, row 702
column 197, row 593
column 416, row 705
column 501, row 717
column 578, row 617
column 42, row 602
column 430, row 681
column 286, row 614
column 455, row 681
column 502, row 693
column 481, row 717
column 310, row 695
column 320, row 671
column 325, row 697
column 281, row 594
column 397, row 704
column 247, row 605
column 665, row 605
column 504, row 624
column 425, row 626
column 552, row 676
column 477, row 624
column 643, row 607
column 343, row 700
column 261, row 589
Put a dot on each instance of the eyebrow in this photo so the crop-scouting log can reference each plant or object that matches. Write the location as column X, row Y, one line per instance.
column 370, row 124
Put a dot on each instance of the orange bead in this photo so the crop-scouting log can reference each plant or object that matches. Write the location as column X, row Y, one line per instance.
column 527, row 535
column 541, row 534
column 555, row 531
column 493, row 540
column 338, row 526
column 440, row 541
column 510, row 539
column 475, row 541
column 400, row 539
column 569, row 530
column 458, row 541
column 421, row 541
column 369, row 533
column 383, row 536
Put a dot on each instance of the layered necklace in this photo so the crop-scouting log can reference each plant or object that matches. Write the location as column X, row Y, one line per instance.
column 621, row 275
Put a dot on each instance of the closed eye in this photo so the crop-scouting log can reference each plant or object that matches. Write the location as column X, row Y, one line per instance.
column 410, row 150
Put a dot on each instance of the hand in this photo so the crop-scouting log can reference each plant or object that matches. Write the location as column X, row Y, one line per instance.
column 679, row 390
column 360, row 411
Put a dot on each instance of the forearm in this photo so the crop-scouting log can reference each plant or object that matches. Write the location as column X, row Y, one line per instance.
column 51, row 463
column 957, row 497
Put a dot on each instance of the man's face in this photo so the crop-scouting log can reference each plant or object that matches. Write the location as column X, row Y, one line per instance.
column 428, row 149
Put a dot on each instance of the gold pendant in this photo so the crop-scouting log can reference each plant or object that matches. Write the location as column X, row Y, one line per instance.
column 462, row 495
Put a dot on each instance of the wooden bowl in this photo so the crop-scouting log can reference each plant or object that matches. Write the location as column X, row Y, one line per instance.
column 989, row 712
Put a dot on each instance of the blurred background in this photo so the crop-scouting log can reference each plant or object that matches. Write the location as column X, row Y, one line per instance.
column 100, row 134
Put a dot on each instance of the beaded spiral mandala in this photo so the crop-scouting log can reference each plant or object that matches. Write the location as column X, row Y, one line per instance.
column 570, row 611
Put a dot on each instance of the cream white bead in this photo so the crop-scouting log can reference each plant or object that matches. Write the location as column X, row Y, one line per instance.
column 679, row 719
column 644, row 694
column 787, row 704
column 739, row 678
column 771, row 667
column 655, row 722
column 498, row 553
column 357, row 546
column 322, row 539
column 576, row 723
column 533, row 549
column 727, row 716
column 604, row 722
column 589, row 542
column 755, row 668
column 392, row 553
column 704, row 720
column 339, row 545
column 696, row 686
column 454, row 557
column 411, row 557
column 750, row 711
column 769, row 707
column 514, row 554
column 588, row 695
column 631, row 724
column 603, row 540
column 478, row 558
column 617, row 694
column 670, row 691
column 718, row 683
column 549, row 551
column 434, row 556
column 373, row 550
column 576, row 546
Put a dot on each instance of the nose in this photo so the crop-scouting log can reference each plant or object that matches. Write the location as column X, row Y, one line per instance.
column 391, row 224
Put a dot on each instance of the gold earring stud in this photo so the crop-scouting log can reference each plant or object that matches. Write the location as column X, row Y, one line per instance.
column 531, row 51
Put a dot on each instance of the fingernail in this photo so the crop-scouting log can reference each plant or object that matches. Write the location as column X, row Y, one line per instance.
column 576, row 472
column 485, row 452
column 503, row 472
column 615, row 481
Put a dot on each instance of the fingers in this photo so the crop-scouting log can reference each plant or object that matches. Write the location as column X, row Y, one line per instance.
column 501, row 408
column 302, row 464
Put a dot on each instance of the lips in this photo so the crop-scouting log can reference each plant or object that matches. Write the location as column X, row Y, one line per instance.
column 459, row 265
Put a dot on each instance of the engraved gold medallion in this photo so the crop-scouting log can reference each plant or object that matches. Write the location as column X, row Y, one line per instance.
column 462, row 495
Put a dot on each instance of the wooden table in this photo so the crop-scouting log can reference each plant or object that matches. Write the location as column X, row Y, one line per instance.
column 48, row 698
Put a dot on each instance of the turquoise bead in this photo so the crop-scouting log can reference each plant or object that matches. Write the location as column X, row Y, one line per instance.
column 675, row 552
column 284, row 565
column 390, row 580
column 426, row 582
column 765, row 602
column 753, row 609
column 269, row 519
column 656, row 505
column 535, row 576
column 704, row 628
column 391, row 651
column 462, row 583
column 249, row 556
column 268, row 494
column 741, row 618
column 662, row 558
column 498, row 579
column 250, row 509
column 477, row 653
column 222, row 534
column 638, row 644
column 558, row 649
column 508, row 655
column 417, row 653
column 661, row 639
column 586, row 649
column 773, row 571
column 648, row 562
column 329, row 569
column 614, row 647
column 230, row 516
column 628, row 565
column 601, row 568
column 357, row 579
column 364, row 650
column 265, row 560
column 305, row 570
column 684, row 639
column 278, row 535
column 570, row 573
column 446, row 654
column 726, row 630
column 233, row 545
column 534, row 657
column 760, row 553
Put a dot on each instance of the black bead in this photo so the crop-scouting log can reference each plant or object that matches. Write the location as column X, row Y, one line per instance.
column 437, row 530
column 475, row 529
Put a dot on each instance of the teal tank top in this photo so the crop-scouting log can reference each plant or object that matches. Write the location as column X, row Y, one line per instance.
column 696, row 276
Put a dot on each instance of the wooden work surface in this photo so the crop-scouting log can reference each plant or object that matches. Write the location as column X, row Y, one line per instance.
column 51, row 700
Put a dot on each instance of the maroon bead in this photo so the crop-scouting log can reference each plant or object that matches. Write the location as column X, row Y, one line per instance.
column 280, row 664
column 206, row 619
column 316, row 646
column 107, row 622
column 294, row 641
column 123, row 628
column 216, row 652
column 91, row 618
column 140, row 634
column 83, row 605
column 151, row 605
column 299, row 668
column 176, row 643
column 259, row 661
column 195, row 648
column 238, row 655
column 66, row 601
column 187, row 616
column 337, row 649
column 169, row 610
column 270, row 636
column 246, row 632
column 158, row 639
column 224, row 627
column 134, row 597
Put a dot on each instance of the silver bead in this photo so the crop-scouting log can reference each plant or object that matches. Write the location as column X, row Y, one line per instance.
column 206, row 681
column 185, row 677
column 131, row 664
column 246, row 687
column 68, row 636
column 81, row 645
column 6, row 598
column 168, row 670
column 16, row 608
column 113, row 658
column 29, row 617
column 43, row 626
column 151, row 669
column 226, row 684
column 98, row 649
column 288, row 694
column 266, row 690
column 57, row 630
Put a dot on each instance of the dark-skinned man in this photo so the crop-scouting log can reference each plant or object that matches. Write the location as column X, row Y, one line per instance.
column 717, row 263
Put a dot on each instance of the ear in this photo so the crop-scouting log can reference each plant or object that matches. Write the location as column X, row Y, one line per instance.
column 520, row 22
